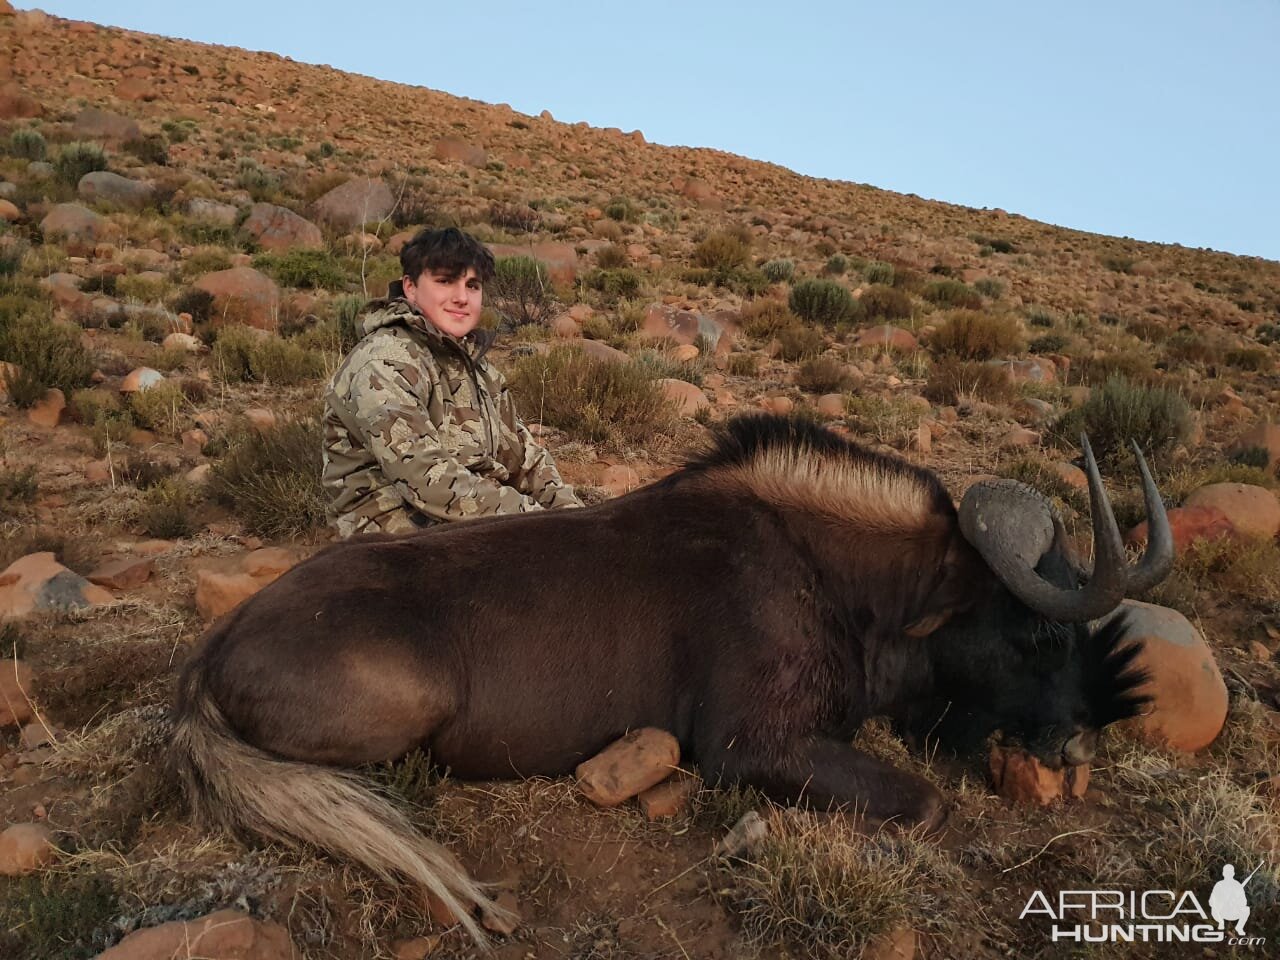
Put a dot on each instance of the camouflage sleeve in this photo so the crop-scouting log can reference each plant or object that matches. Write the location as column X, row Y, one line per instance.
column 536, row 475
column 409, row 449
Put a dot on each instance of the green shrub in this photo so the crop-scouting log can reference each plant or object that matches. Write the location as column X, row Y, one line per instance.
column 837, row 265
column 778, row 271
column 1120, row 411
column 762, row 319
column 17, row 485
column 12, row 253
column 743, row 364
column 1152, row 331
column 1258, row 359
column 309, row 269
column 1041, row 317
column 990, row 287
column 1188, row 346
column 592, row 400
column 624, row 210
column 283, row 363
column 877, row 271
column 612, row 257
column 723, row 250
column 616, row 285
column 823, row 375
column 514, row 217
column 1048, row 343
column 952, row 380
column 1129, row 364
column 157, row 407
column 880, row 302
column 87, row 406
column 799, row 342
column 168, row 510
column 662, row 367
column 822, row 301
column 194, row 301
column 57, row 915
column 260, row 183
column 49, row 353
column 77, row 158
column 952, row 293
column 271, row 479
column 152, row 149
column 142, row 289
column 973, row 335
column 521, row 290
column 890, row 420
column 27, row 144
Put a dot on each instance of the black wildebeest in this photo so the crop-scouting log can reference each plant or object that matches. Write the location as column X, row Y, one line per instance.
column 760, row 604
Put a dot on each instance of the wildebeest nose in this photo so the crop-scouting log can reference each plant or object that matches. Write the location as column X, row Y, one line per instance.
column 1080, row 748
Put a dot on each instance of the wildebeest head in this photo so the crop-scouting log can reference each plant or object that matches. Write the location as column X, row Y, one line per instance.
column 1023, row 658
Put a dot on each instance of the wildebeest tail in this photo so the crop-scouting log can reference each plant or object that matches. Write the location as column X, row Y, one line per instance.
column 246, row 790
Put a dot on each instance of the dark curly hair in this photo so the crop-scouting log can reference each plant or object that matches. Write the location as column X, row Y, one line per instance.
column 449, row 252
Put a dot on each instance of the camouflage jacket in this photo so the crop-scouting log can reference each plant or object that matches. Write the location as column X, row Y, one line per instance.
column 420, row 428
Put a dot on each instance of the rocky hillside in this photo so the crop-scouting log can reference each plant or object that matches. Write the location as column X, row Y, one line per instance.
column 189, row 232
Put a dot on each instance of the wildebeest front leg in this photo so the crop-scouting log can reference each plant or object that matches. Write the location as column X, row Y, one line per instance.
column 823, row 773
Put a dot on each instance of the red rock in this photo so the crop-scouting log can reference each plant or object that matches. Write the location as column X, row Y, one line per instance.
column 267, row 563
column 1252, row 511
column 94, row 124
column 219, row 593
column 1020, row 777
column 48, row 412
column 1188, row 524
column 687, row 397
column 182, row 341
column 225, row 935
column 628, row 767
column 1261, row 436
column 279, row 228
column 1190, row 698
column 417, row 948
column 17, row 104
column 619, row 480
column 79, row 227
column 458, row 150
column 243, row 295
column 700, row 192
column 598, row 350
column 1069, row 474
column 685, row 353
column 98, row 471
column 397, row 241
column 107, row 187
column 565, row 328
column 37, row 582
column 260, row 418
column 668, row 799
column 199, row 474
column 9, row 212
column 140, row 378
column 17, row 687
column 1021, row 437
column 683, row 326
column 1034, row 370
column 888, row 337
column 781, row 405
column 560, row 259
column 354, row 203
column 25, row 848
column 124, row 573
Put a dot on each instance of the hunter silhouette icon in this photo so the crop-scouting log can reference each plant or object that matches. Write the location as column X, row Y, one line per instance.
column 1228, row 902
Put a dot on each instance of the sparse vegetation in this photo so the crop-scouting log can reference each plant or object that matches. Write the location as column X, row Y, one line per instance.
column 1156, row 418
column 823, row 375
column 799, row 342
column 974, row 335
column 49, row 353
column 882, row 303
column 27, row 144
column 952, row 293
column 521, row 290
column 822, row 301
column 271, row 479
column 951, row 381
column 723, row 250
column 309, row 269
column 778, row 271
column 78, row 158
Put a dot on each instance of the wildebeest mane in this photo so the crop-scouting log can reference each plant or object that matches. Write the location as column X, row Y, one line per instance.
column 1114, row 682
column 797, row 462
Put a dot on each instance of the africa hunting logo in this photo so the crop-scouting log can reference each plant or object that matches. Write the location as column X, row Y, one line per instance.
column 1148, row 916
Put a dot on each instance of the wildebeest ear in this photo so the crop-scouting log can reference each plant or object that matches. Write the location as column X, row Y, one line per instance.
column 955, row 585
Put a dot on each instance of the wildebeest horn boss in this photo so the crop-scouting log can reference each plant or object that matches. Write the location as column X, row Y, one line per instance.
column 759, row 603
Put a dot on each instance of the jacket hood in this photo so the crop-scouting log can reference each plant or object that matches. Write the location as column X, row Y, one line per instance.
column 393, row 310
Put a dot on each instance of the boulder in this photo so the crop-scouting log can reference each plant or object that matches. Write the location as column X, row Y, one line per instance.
column 25, row 848
column 682, row 326
column 1261, row 436
column 279, row 228
column 1253, row 511
column 599, row 350
column 17, row 687
column 1189, row 703
column 685, row 353
column 242, row 295
column 47, row 412
column 1033, row 370
column 356, row 202
column 225, row 935
column 268, row 563
column 217, row 593
column 687, row 397
column 669, row 798
column 211, row 211
column 182, row 341
column 37, row 582
column 831, row 404
column 94, row 124
column 1021, row 778
column 103, row 186
column 889, row 337
column 141, row 378
column 628, row 767
column 1188, row 524
column 260, row 418
column 123, row 573
column 9, row 212
column 458, row 150
column 79, row 226
column 900, row 943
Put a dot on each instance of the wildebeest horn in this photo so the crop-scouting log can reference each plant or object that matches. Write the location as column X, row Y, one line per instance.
column 1012, row 526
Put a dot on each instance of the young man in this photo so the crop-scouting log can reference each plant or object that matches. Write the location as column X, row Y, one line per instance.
column 419, row 427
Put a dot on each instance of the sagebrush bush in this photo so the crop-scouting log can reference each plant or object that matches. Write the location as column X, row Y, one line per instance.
column 49, row 353
column 762, row 319
column 822, row 301
column 195, row 302
column 990, row 287
column 271, row 478
column 799, row 342
column 1048, row 343
column 881, row 302
column 27, row 144
column 168, row 510
column 1157, row 418
column 612, row 257
column 973, row 335
column 723, row 250
column 309, row 269
column 877, row 271
column 952, row 380
column 77, row 158
column 591, row 400
column 778, row 271
column 837, row 265
column 12, row 253
column 58, row 914
column 135, row 286
column 158, row 407
column 521, row 290
column 823, row 375
column 743, row 364
column 615, row 285
column 514, row 217
column 952, row 293
column 149, row 149
column 1129, row 364
column 18, row 485
column 1257, row 359
column 242, row 354
column 624, row 210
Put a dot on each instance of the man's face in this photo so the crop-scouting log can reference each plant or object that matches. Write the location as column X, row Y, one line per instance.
column 452, row 306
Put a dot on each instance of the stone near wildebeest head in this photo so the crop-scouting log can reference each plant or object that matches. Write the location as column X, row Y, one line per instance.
column 759, row 605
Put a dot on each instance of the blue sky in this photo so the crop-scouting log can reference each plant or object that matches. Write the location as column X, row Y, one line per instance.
column 1155, row 120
